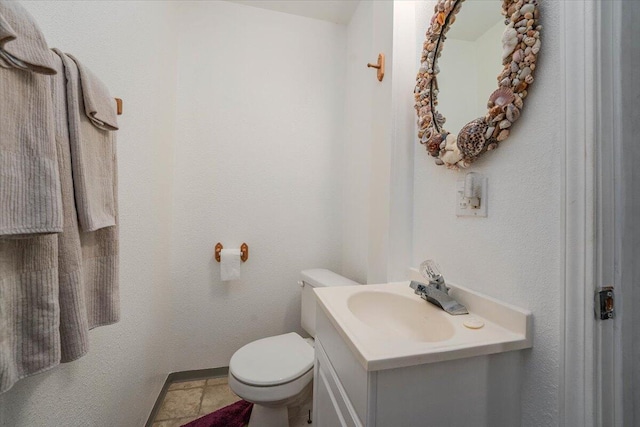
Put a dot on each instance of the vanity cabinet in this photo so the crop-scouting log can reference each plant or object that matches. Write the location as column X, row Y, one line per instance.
column 474, row 391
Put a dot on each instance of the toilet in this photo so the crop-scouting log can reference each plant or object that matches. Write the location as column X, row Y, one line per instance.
column 276, row 373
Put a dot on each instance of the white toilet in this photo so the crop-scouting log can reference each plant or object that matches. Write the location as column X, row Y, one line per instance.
column 276, row 372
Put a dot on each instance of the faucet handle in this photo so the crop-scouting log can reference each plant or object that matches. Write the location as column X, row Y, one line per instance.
column 430, row 270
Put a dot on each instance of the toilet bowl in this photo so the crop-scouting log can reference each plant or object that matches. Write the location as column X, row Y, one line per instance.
column 276, row 373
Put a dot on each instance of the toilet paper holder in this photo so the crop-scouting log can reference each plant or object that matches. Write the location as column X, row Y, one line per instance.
column 244, row 251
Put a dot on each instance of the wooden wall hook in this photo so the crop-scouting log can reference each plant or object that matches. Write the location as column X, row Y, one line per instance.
column 379, row 66
column 119, row 106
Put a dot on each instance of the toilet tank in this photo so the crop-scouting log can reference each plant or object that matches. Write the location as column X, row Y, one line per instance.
column 317, row 277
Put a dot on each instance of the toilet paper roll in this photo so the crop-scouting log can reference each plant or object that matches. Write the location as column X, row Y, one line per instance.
column 230, row 264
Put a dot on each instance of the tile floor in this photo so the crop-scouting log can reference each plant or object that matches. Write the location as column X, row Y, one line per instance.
column 188, row 400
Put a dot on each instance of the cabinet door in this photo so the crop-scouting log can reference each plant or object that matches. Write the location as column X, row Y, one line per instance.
column 332, row 407
column 325, row 407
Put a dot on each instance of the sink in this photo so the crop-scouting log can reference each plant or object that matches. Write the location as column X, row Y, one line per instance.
column 388, row 326
column 398, row 316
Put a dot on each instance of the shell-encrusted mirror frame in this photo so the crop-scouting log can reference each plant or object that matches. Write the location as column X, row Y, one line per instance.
column 520, row 43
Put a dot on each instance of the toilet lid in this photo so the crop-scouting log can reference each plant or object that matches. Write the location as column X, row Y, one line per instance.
column 273, row 360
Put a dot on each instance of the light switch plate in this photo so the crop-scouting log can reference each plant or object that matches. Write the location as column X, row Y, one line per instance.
column 463, row 208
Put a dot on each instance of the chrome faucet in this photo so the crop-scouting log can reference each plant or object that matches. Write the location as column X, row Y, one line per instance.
column 436, row 292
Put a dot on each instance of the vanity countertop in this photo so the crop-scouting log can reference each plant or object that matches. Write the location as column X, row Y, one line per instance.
column 387, row 326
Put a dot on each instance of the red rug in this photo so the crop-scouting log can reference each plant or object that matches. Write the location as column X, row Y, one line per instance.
column 235, row 415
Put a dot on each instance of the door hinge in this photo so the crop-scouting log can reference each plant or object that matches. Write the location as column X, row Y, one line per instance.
column 604, row 303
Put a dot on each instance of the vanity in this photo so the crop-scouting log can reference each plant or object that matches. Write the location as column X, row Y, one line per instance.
column 387, row 358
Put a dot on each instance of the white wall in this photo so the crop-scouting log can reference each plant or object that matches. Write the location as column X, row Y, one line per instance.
column 259, row 119
column 357, row 152
column 131, row 46
column 515, row 253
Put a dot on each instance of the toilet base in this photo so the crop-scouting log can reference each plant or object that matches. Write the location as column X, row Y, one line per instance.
column 269, row 416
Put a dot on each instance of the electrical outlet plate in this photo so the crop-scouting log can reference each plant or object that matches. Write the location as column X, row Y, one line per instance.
column 462, row 205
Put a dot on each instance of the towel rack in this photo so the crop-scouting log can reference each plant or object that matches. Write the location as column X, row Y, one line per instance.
column 119, row 106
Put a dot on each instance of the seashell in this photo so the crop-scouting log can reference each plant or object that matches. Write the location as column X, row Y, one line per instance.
column 439, row 162
column 532, row 66
column 527, row 8
column 530, row 23
column 520, row 88
column 525, row 72
column 536, row 47
column 442, row 145
column 530, row 58
column 441, row 17
column 512, row 9
column 451, row 153
column 529, row 41
column 528, row 15
column 504, row 134
column 518, row 102
column 494, row 111
column 524, row 94
column 512, row 112
column 529, row 79
column 489, row 132
column 509, row 41
column 516, row 82
column 433, row 144
column 504, row 124
column 522, row 23
column 498, row 118
column 505, row 82
column 492, row 146
column 502, row 96
column 514, row 67
column 528, row 50
column 426, row 135
column 522, row 30
column 439, row 119
column 430, row 47
column 518, row 55
column 471, row 139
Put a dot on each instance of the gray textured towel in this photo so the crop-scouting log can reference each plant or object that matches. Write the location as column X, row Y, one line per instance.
column 99, row 106
column 91, row 143
column 21, row 40
column 55, row 288
column 87, row 261
column 30, row 200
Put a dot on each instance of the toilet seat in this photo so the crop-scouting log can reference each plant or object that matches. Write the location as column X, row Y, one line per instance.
column 272, row 361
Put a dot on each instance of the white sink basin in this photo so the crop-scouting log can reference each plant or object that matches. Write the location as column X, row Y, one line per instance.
column 387, row 326
column 398, row 316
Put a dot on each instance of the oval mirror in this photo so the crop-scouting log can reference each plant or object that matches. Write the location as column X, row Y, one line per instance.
column 481, row 40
